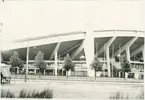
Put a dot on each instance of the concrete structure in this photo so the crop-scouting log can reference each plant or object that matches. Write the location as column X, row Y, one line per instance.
column 105, row 44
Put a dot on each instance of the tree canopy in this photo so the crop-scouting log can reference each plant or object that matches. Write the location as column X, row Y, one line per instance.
column 96, row 65
column 125, row 65
column 68, row 64
column 39, row 61
column 15, row 61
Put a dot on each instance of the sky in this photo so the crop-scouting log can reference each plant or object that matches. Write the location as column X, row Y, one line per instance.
column 25, row 18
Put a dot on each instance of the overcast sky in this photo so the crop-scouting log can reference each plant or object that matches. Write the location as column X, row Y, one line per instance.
column 22, row 19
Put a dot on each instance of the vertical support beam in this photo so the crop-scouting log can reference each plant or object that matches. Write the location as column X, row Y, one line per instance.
column 89, row 51
column 17, row 70
column 144, row 55
column 35, row 71
column 27, row 60
column 128, row 53
column 69, row 73
column 108, row 61
column 0, row 57
column 44, row 72
column 97, row 45
column 56, row 63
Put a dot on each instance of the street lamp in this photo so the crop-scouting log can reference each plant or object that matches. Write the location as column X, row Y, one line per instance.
column 27, row 60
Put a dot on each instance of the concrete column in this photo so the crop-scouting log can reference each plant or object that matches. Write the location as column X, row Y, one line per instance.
column 108, row 61
column 119, row 74
column 128, row 54
column 69, row 73
column 17, row 70
column 0, row 57
column 44, row 72
column 89, row 51
column 143, row 52
column 56, row 63
column 35, row 71
column 143, row 56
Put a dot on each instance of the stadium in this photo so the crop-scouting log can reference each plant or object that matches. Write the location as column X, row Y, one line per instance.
column 106, row 36
column 83, row 47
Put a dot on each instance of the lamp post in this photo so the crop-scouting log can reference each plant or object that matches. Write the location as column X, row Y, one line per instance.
column 27, row 60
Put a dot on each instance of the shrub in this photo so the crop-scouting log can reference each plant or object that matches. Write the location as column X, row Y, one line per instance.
column 119, row 95
column 140, row 95
column 7, row 94
column 46, row 93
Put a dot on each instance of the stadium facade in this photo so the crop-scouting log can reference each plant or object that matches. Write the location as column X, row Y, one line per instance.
column 83, row 46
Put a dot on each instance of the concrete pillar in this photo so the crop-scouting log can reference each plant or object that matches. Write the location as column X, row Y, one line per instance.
column 89, row 51
column 17, row 70
column 69, row 73
column 55, row 64
column 35, row 71
column 108, row 61
column 0, row 57
column 126, row 75
column 143, row 52
column 136, row 76
column 119, row 74
column 128, row 54
column 44, row 71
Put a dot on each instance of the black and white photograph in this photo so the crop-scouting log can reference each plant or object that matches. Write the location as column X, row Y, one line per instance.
column 72, row 49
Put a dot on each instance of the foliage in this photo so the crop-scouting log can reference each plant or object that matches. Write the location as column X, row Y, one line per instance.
column 140, row 95
column 119, row 95
column 45, row 93
column 68, row 64
column 39, row 62
column 96, row 65
column 15, row 61
column 7, row 94
column 125, row 65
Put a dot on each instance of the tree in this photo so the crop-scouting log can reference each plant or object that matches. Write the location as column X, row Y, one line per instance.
column 68, row 64
column 16, row 62
column 125, row 66
column 39, row 62
column 96, row 65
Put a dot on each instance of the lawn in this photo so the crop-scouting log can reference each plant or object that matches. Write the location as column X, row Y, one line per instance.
column 77, row 89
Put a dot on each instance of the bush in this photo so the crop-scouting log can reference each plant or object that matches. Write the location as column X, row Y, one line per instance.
column 45, row 93
column 7, row 94
column 119, row 95
column 140, row 95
